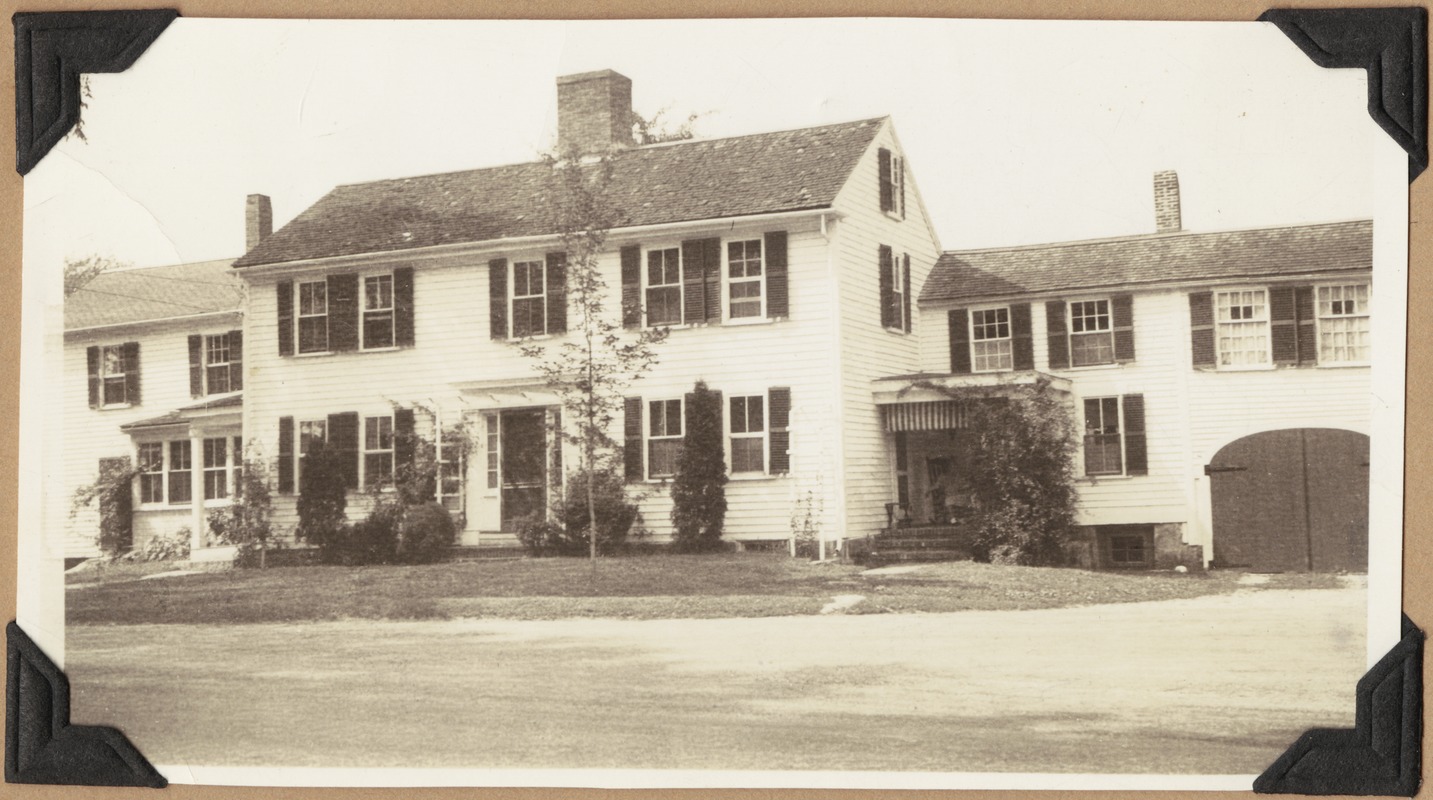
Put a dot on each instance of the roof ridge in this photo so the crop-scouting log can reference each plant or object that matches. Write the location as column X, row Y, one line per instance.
column 1146, row 237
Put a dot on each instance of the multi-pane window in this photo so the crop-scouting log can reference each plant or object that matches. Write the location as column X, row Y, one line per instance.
column 313, row 317
column 990, row 344
column 216, row 469
column 1242, row 327
column 450, row 471
column 1092, row 338
column 113, row 371
column 529, row 299
column 664, row 287
column 151, row 472
column 748, row 434
column 744, row 279
column 377, row 311
column 664, row 437
column 216, row 363
column 1104, row 443
column 492, row 450
column 1128, row 550
column 1343, row 324
column 181, row 464
column 377, row 451
column 898, row 294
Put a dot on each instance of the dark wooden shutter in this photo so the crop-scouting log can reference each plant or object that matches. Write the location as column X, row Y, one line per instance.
column 694, row 284
column 632, row 286
column 498, row 298
column 1201, row 328
column 196, row 365
column 901, row 166
column 886, row 259
column 285, row 291
column 777, row 293
column 1122, row 316
column 1022, row 344
column 779, row 423
column 343, row 437
column 633, row 468
column 236, row 360
column 557, row 292
column 1308, row 337
column 92, row 366
column 403, row 334
column 906, row 295
column 1283, row 327
column 286, row 455
column 959, row 321
column 1057, row 334
column 711, row 275
column 404, row 448
column 883, row 169
column 130, row 354
column 1136, row 449
column 343, row 312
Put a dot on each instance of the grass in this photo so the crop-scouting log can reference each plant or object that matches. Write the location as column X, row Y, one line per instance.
column 646, row 587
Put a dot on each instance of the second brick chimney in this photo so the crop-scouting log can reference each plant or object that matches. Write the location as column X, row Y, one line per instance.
column 594, row 112
column 1166, row 202
column 258, row 220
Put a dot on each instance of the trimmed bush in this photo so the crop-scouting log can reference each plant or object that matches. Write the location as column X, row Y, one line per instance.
column 615, row 513
column 699, row 488
column 323, row 500
column 426, row 533
column 546, row 538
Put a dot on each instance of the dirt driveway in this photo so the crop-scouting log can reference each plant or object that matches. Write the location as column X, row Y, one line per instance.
column 1218, row 685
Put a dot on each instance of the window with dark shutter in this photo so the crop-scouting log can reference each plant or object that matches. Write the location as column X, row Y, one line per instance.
column 1136, row 455
column 886, row 261
column 557, row 292
column 286, row 455
column 498, row 298
column 906, row 293
column 779, row 421
column 403, row 334
column 1201, row 328
column 1057, row 335
column 633, row 467
column 1122, row 307
column 777, row 291
column 285, row 293
column 1022, row 338
column 343, row 437
column 959, row 321
column 883, row 169
column 632, row 286
column 666, row 295
column 1283, row 326
column 236, row 360
column 196, row 365
column 343, row 304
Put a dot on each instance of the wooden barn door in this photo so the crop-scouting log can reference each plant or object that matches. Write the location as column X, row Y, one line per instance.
column 1292, row 501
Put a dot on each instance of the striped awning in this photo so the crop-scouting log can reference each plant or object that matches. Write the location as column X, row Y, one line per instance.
column 940, row 415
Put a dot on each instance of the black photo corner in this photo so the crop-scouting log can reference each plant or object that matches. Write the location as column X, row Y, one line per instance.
column 1380, row 755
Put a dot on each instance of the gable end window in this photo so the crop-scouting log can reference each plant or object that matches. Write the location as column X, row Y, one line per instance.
column 891, row 170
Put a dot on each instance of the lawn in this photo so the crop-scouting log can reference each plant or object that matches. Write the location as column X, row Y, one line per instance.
column 643, row 587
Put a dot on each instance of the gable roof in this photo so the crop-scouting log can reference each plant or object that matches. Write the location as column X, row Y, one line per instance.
column 154, row 293
column 657, row 184
column 1150, row 259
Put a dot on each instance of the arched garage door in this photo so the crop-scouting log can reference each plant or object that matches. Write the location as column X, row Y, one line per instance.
column 1292, row 500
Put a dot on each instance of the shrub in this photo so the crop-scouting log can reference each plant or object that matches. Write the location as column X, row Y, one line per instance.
column 699, row 487
column 615, row 512
column 245, row 522
column 543, row 537
column 163, row 547
column 323, row 498
column 426, row 533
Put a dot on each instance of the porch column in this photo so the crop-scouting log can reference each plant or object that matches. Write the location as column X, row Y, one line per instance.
column 197, row 522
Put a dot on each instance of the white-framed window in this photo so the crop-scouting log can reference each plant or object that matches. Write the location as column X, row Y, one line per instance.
column 1092, row 336
column 745, row 280
column 313, row 316
column 664, row 437
column 450, row 471
column 378, row 311
column 493, row 451
column 377, row 451
column 217, row 356
column 1104, row 437
column 114, row 372
column 529, row 298
column 1343, row 323
column 748, row 433
column 664, row 286
column 216, row 468
column 181, row 465
column 990, row 340
column 898, row 291
column 151, row 472
column 898, row 182
column 1241, row 321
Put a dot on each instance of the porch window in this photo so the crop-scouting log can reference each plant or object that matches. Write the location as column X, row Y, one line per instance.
column 748, row 434
column 216, row 363
column 181, row 465
column 744, row 279
column 664, row 286
column 529, row 299
column 151, row 472
column 1343, row 324
column 990, row 340
column 313, row 317
column 664, row 437
column 1092, row 338
column 377, row 311
column 1104, row 441
column 216, row 469
column 1242, row 327
column 377, row 451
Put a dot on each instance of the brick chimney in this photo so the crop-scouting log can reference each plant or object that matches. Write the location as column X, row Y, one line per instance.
column 258, row 220
column 1166, row 202
column 594, row 112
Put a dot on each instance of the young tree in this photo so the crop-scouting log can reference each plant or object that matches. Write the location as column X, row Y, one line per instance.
column 323, row 496
column 699, row 488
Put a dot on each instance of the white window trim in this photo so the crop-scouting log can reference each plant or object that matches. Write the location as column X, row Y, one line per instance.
column 898, row 289
column 647, row 433
column 103, row 376
column 1071, row 334
column 163, row 473
column 1124, row 446
column 443, row 457
column 1268, row 321
column 492, row 447
column 226, row 468
column 681, row 287
column 541, row 261
column 726, row 281
column 1319, row 324
column 299, row 316
column 897, row 210
column 363, row 451
column 970, row 335
column 207, row 364
column 233, row 461
column 363, row 311
column 765, row 435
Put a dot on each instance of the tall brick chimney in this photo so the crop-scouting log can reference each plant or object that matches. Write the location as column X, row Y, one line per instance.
column 594, row 112
column 258, row 220
column 1166, row 202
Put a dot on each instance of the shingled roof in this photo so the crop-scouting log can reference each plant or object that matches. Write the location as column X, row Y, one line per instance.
column 1152, row 259
column 154, row 293
column 675, row 182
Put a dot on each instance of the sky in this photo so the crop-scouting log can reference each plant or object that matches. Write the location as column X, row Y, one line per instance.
column 1015, row 132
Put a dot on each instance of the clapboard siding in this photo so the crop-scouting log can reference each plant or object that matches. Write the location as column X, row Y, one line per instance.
column 91, row 434
column 867, row 350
